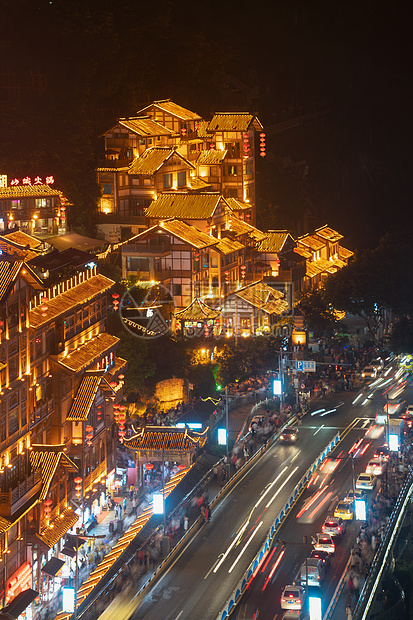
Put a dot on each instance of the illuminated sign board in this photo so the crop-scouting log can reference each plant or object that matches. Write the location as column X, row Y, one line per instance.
column 68, row 600
column 192, row 425
column 315, row 608
column 48, row 180
column 19, row 581
column 276, row 387
column 158, row 504
column 393, row 442
column 361, row 514
column 222, row 436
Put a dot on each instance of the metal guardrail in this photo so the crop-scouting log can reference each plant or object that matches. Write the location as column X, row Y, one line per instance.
column 278, row 521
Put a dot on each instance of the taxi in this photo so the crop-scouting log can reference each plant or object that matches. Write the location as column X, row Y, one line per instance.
column 344, row 510
column 324, row 542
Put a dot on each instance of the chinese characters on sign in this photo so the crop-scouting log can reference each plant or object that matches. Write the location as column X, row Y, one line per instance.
column 36, row 181
column 3, row 180
column 305, row 366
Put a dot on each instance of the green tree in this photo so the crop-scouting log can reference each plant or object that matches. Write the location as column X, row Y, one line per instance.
column 319, row 315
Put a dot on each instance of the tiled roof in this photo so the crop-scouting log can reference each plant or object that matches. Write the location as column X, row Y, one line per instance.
column 119, row 365
column 230, row 121
column 51, row 534
column 343, row 253
column 203, row 129
column 326, row 265
column 312, row 269
column 70, row 299
column 303, row 252
column 197, row 311
column 338, row 262
column 197, row 184
column 263, row 297
column 16, row 251
column 243, row 228
column 211, row 157
column 237, row 205
column 312, row 242
column 23, row 191
column 4, row 525
column 10, row 270
column 20, row 238
column 84, row 398
column 184, row 206
column 175, row 110
column 49, row 462
column 145, row 126
column 328, row 233
column 188, row 233
column 274, row 241
column 227, row 245
column 153, row 158
column 88, row 353
column 166, row 438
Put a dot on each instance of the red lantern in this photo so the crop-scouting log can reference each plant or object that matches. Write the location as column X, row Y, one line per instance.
column 115, row 295
column 78, row 487
column 262, row 135
column 122, row 433
column 181, row 466
column 89, row 443
column 121, row 377
column 149, row 466
column 88, row 428
column 48, row 502
column 78, row 480
column 89, row 436
column 262, row 153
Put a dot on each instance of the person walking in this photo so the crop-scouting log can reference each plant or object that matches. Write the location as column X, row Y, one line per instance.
column 125, row 503
column 349, row 613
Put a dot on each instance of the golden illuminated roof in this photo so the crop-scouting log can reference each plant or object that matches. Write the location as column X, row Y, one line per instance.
column 10, row 270
column 84, row 398
column 338, row 262
column 234, row 121
column 20, row 238
column 343, row 253
column 312, row 269
column 274, row 242
column 312, row 242
column 88, row 353
column 167, row 438
column 197, row 311
column 211, row 157
column 23, row 191
column 16, row 251
column 237, row 205
column 49, row 462
column 203, row 129
column 227, row 245
column 184, row 206
column 154, row 158
column 168, row 106
column 144, row 126
column 4, row 525
column 263, row 297
column 53, row 532
column 79, row 294
column 303, row 252
column 119, row 365
column 239, row 227
column 328, row 233
column 188, row 233
column 196, row 183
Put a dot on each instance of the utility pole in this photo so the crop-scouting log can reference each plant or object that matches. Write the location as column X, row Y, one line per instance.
column 227, row 427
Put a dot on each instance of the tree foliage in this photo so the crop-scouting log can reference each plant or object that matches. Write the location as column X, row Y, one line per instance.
column 319, row 315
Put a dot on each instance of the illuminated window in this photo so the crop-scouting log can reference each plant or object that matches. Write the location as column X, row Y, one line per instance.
column 15, row 204
column 41, row 203
column 248, row 168
column 232, row 171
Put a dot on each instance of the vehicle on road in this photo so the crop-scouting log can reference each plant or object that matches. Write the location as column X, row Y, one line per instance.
column 369, row 372
column 312, row 572
column 383, row 452
column 365, row 481
column 377, row 364
column 394, row 407
column 344, row 510
column 324, row 542
column 352, row 495
column 376, row 467
column 292, row 597
column 321, row 555
column 335, row 526
column 409, row 409
column 289, row 435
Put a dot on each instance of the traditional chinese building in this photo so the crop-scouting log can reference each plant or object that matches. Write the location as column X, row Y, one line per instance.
column 35, row 208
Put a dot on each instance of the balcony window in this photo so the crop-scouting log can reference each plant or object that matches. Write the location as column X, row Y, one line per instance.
column 181, row 178
column 42, row 203
column 167, row 180
column 13, row 421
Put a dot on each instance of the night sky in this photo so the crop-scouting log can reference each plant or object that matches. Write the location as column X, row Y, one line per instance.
column 69, row 69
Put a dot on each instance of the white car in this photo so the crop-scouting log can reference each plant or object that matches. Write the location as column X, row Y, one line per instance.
column 366, row 482
column 334, row 526
column 376, row 467
column 292, row 597
column 324, row 542
column 369, row 372
column 377, row 364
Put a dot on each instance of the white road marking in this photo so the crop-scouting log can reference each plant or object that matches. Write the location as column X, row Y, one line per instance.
column 319, row 429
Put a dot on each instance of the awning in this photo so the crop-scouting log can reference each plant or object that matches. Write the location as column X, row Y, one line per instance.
column 20, row 603
column 54, row 532
column 52, row 567
column 84, row 398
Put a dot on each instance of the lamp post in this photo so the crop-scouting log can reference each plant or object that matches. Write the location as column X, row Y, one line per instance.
column 304, row 544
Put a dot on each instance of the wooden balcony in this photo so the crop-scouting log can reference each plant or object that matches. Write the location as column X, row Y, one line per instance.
column 14, row 499
column 93, row 477
column 41, row 412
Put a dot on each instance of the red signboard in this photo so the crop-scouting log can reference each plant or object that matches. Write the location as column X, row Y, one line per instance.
column 19, row 581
